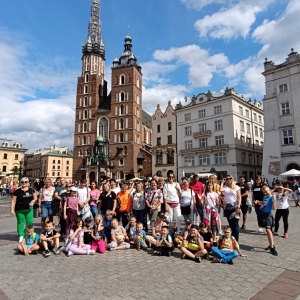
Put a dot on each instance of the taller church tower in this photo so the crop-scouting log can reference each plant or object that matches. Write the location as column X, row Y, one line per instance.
column 91, row 92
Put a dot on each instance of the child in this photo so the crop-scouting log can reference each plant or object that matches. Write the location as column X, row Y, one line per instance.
column 71, row 209
column 98, row 235
column 29, row 244
column 228, row 248
column 88, row 229
column 164, row 243
column 186, row 229
column 107, row 225
column 118, row 234
column 75, row 243
column 130, row 229
column 173, row 233
column 207, row 236
column 139, row 236
column 50, row 239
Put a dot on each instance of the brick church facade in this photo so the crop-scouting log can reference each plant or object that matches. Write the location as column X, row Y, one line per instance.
column 116, row 117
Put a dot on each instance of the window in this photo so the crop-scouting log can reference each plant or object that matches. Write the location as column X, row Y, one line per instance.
column 53, row 167
column 248, row 140
column 220, row 158
column 5, row 156
column 201, row 113
column 204, row 159
column 250, row 160
column 258, row 162
column 4, row 169
column 53, row 161
column 261, row 133
column 188, row 144
column 188, row 130
column 256, row 142
column 16, row 156
column 202, row 127
column 159, row 159
column 248, row 127
column 187, row 117
column 86, row 89
column 219, row 140
column 243, row 156
column 67, row 162
column 218, row 110
column 283, row 88
column 67, row 173
column 288, row 136
column 158, row 128
column 260, row 119
column 170, row 126
column 122, row 81
column 58, row 161
column 121, row 162
column 255, row 117
column 170, row 158
column 121, row 137
column 67, row 167
column 103, row 127
column 242, row 128
column 285, row 108
column 169, row 139
column 203, row 142
column 255, row 130
column 53, row 173
column 218, row 125
column 240, row 110
column 85, row 101
column 58, row 173
column 58, row 167
column 122, row 96
column 189, row 161
column 247, row 113
column 158, row 141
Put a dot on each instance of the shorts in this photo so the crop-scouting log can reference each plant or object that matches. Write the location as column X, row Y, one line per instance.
column 266, row 220
column 50, row 246
column 47, row 209
column 244, row 206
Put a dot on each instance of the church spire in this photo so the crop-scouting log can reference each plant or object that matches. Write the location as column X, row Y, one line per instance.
column 94, row 41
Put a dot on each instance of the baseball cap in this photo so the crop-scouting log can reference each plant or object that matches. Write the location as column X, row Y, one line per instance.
column 188, row 222
column 161, row 215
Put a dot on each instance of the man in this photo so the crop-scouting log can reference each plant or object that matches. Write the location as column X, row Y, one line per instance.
column 244, row 195
column 126, row 202
column 59, row 191
column 198, row 189
column 38, row 185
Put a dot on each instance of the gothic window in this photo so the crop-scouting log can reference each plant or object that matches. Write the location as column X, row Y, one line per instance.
column 86, row 89
column 86, row 77
column 122, row 110
column 85, row 114
column 84, row 127
column 84, row 140
column 85, row 101
column 121, row 138
column 103, row 127
column 137, row 99
column 121, row 123
column 122, row 96
column 125, row 149
column 122, row 79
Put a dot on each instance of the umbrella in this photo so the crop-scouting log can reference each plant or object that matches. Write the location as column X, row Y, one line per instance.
column 291, row 173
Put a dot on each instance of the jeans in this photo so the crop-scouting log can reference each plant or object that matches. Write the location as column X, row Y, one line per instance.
column 257, row 210
column 23, row 216
column 124, row 216
column 284, row 213
column 94, row 210
column 47, row 209
column 200, row 210
column 140, row 216
column 226, row 255
column 233, row 223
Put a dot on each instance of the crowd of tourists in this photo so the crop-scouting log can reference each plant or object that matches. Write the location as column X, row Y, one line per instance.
column 148, row 215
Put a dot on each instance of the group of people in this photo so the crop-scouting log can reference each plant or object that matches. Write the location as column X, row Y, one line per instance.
column 148, row 214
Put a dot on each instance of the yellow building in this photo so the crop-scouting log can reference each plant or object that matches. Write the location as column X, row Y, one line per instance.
column 11, row 158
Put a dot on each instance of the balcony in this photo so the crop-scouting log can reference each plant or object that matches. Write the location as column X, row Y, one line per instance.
column 202, row 133
column 206, row 149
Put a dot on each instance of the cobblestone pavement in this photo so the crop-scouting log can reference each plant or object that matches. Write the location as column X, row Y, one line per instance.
column 132, row 274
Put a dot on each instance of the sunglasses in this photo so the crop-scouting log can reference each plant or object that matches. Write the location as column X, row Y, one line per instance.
column 228, row 178
column 24, row 181
column 227, row 232
column 171, row 176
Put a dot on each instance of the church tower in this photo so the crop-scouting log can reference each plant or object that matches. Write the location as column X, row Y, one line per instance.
column 91, row 92
column 126, row 119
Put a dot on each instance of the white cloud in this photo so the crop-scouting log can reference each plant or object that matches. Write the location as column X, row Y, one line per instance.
column 201, row 64
column 199, row 4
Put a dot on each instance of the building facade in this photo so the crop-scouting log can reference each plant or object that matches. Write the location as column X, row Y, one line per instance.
column 220, row 133
column 164, row 141
column 282, row 123
column 116, row 117
column 11, row 160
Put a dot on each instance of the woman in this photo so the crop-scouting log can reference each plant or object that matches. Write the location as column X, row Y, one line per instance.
column 21, row 206
column 211, row 204
column 95, row 194
column 160, row 185
column 232, row 204
column 156, row 227
column 172, row 194
column 282, row 196
column 296, row 189
column 114, row 187
column 84, row 195
column 46, row 204
column 139, row 205
column 107, row 200
column 257, row 197
column 187, row 201
column 154, row 200
column 198, row 187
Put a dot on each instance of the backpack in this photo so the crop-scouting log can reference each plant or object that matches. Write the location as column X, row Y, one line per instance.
column 33, row 236
column 222, row 240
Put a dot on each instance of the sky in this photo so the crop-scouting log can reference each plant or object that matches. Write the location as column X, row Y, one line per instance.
column 185, row 47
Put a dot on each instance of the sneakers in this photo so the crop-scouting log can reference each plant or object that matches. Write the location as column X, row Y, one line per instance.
column 69, row 253
column 157, row 253
column 230, row 262
column 260, row 230
column 197, row 259
column 285, row 235
column 59, row 249
column 183, row 256
column 273, row 251
column 91, row 252
column 268, row 248
column 169, row 254
column 275, row 233
column 47, row 253
column 243, row 226
column 216, row 260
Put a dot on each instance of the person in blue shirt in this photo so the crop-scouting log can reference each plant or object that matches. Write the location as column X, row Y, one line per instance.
column 29, row 244
column 139, row 237
column 164, row 243
column 266, row 219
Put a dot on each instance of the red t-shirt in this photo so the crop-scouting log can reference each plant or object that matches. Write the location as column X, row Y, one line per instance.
column 198, row 188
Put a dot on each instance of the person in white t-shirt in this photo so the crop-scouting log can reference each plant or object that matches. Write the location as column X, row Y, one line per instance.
column 232, row 204
column 282, row 196
column 187, row 200
column 84, row 194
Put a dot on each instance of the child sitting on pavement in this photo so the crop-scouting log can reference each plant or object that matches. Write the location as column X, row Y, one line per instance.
column 228, row 248
column 173, row 233
column 139, row 237
column 87, row 229
column 107, row 225
column 49, row 239
column 207, row 236
column 130, row 229
column 185, row 229
column 164, row 243
column 98, row 235
column 29, row 244
column 118, row 235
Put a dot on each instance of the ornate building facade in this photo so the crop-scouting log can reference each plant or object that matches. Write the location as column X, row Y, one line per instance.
column 117, row 118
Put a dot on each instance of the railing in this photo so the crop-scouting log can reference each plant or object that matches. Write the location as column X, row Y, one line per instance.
column 204, row 149
column 202, row 133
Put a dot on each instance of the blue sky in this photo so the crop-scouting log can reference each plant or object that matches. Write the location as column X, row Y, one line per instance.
column 185, row 47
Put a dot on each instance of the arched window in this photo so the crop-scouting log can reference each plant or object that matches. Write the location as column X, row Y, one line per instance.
column 86, row 77
column 80, row 152
column 250, row 159
column 86, row 114
column 137, row 82
column 84, row 140
column 122, row 79
column 122, row 96
column 121, row 137
column 125, row 149
column 122, row 110
column 137, row 99
column 86, row 89
column 84, row 127
column 85, row 101
column 103, row 127
column 243, row 156
column 121, row 124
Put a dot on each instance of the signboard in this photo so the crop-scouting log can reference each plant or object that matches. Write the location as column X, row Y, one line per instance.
column 274, row 168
